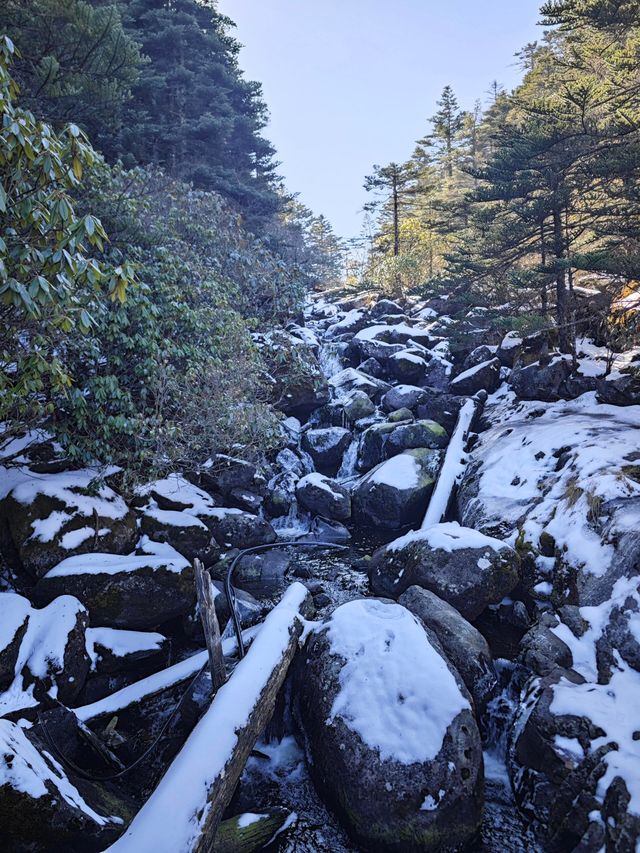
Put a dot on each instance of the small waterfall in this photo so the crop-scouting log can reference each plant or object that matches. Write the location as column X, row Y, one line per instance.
column 348, row 467
column 330, row 358
column 292, row 525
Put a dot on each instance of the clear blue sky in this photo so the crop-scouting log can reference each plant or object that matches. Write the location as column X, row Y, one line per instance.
column 350, row 83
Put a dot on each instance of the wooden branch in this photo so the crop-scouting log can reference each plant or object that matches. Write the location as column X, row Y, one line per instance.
column 454, row 461
column 248, row 833
column 184, row 812
column 209, row 619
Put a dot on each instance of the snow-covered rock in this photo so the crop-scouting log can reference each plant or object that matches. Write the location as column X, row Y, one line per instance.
column 481, row 377
column 52, row 516
column 408, row 366
column 395, row 493
column 324, row 496
column 138, row 591
column 349, row 379
column 463, row 567
column 186, row 533
column 233, row 528
column 382, row 441
column 389, row 731
column 404, row 397
column 545, row 381
column 326, row 447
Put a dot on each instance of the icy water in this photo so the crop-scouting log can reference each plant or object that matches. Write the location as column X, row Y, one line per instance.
column 280, row 776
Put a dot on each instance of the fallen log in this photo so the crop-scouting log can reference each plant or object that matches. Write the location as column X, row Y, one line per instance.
column 184, row 812
column 247, row 833
column 455, row 461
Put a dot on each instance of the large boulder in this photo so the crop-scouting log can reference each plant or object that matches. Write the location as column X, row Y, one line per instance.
column 481, row 377
column 323, row 496
column 392, row 743
column 441, row 407
column 544, row 380
column 408, row 366
column 403, row 397
column 298, row 383
column 462, row 566
column 357, row 405
column 326, row 447
column 42, row 809
column 52, row 516
column 395, row 494
column 620, row 389
column 113, row 650
column 52, row 660
column 463, row 644
column 14, row 618
column 124, row 592
column 233, row 528
column 382, row 441
column 351, row 379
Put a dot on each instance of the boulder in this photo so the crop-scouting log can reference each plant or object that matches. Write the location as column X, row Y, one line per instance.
column 403, row 397
column 542, row 380
column 323, row 496
column 462, row 566
column 408, row 366
column 483, row 377
column 42, row 809
column 372, row 367
column 479, row 355
column 395, row 493
column 464, row 645
column 357, row 405
column 228, row 473
column 349, row 379
column 14, row 618
column 233, row 528
column 441, row 407
column 400, row 415
column 52, row 660
column 262, row 575
column 52, row 516
column 186, row 533
column 382, row 351
column 385, row 306
column 299, row 386
column 390, row 736
column 326, row 447
column 124, row 592
column 620, row 389
column 438, row 373
column 382, row 441
column 509, row 348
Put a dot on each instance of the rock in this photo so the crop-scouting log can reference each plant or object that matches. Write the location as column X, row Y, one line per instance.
column 385, row 306
column 42, row 809
column 462, row 566
column 543, row 651
column 357, row 405
column 372, row 367
column 382, row 441
column 233, row 528
column 14, row 618
column 478, row 356
column 382, row 351
column 281, row 494
column 395, row 494
column 407, row 366
column 52, row 660
column 262, row 575
column 438, row 374
column 326, row 447
column 350, row 323
column 325, row 497
column 482, row 377
column 124, row 592
column 249, row 609
column 350, row 379
column 290, row 462
column 442, row 408
column 509, row 348
column 52, row 516
column 542, row 381
column 114, row 650
column 620, row 389
column 403, row 397
column 245, row 500
column 228, row 473
column 392, row 743
column 400, row 415
column 463, row 645
column 186, row 533
column 321, row 600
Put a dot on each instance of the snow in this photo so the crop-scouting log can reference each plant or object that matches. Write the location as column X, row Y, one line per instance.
column 400, row 472
column 511, row 340
column 35, row 774
column 448, row 536
column 14, row 610
column 408, row 356
column 113, row 564
column 170, row 824
column 74, row 538
column 174, row 518
column 396, row 692
column 176, row 488
column 248, row 818
column 121, row 642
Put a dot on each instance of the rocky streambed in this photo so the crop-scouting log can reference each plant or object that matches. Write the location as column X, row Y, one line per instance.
column 468, row 685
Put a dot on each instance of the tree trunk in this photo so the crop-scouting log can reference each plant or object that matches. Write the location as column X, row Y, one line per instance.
column 562, row 301
column 396, row 219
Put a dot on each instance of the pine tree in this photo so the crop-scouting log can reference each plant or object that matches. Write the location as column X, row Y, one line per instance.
column 447, row 123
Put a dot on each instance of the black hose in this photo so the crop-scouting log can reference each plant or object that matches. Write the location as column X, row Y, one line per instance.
column 228, row 585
